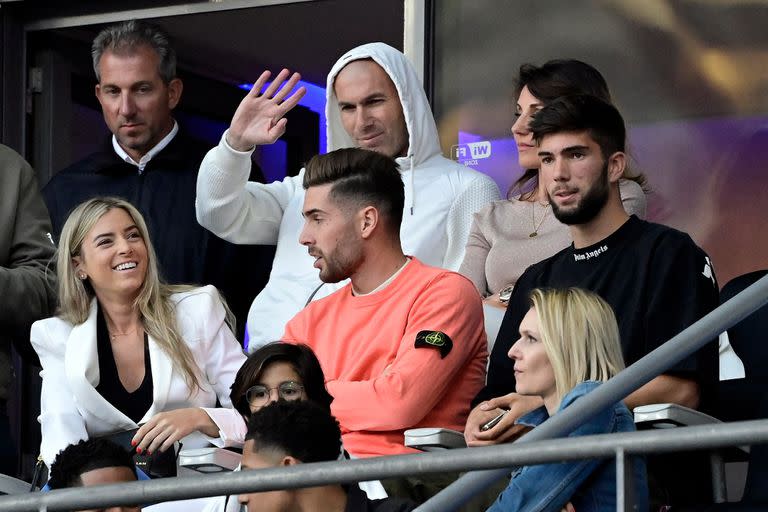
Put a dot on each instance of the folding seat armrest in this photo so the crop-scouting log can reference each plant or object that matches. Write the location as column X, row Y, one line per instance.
column 432, row 439
column 11, row 485
column 209, row 460
column 670, row 416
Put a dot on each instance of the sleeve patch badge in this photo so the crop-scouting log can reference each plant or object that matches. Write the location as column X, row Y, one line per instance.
column 434, row 339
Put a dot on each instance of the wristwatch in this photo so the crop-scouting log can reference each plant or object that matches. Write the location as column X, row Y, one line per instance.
column 505, row 294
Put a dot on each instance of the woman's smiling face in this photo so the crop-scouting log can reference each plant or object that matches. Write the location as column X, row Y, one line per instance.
column 113, row 256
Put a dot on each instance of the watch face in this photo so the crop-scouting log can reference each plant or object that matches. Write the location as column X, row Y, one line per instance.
column 505, row 294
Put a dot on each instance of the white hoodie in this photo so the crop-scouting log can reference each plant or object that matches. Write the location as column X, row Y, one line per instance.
column 440, row 198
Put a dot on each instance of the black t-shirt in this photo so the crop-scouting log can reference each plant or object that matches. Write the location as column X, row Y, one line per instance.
column 135, row 404
column 656, row 279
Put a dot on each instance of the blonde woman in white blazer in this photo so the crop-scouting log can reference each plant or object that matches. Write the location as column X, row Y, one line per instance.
column 171, row 346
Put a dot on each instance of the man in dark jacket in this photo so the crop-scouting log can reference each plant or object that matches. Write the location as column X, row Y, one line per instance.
column 150, row 162
column 27, row 279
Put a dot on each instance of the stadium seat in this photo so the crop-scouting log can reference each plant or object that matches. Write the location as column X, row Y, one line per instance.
column 433, row 439
column 739, row 399
column 735, row 400
column 209, row 460
column 11, row 485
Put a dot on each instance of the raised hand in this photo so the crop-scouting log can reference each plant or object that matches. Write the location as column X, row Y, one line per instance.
column 259, row 119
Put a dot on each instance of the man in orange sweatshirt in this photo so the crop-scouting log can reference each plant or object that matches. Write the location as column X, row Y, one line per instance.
column 402, row 345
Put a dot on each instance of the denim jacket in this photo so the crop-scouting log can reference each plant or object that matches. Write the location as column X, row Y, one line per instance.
column 589, row 484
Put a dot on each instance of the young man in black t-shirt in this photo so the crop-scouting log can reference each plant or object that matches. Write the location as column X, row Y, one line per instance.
column 656, row 279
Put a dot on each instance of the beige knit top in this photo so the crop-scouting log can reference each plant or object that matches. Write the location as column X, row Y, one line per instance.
column 500, row 247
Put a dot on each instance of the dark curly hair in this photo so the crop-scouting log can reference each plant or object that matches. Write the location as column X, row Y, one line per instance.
column 79, row 458
column 302, row 429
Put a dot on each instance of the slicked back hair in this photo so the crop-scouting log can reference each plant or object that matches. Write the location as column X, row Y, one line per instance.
column 361, row 178
column 582, row 113
column 125, row 38
column 84, row 456
column 302, row 429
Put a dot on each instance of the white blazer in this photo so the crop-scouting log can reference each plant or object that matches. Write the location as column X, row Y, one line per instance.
column 72, row 409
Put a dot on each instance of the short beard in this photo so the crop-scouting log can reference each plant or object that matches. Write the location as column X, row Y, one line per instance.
column 590, row 205
column 334, row 273
column 343, row 261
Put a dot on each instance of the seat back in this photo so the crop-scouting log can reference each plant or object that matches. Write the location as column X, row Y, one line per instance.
column 739, row 399
column 756, row 488
column 11, row 485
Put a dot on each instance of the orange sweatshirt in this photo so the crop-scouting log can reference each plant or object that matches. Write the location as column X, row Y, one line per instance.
column 411, row 355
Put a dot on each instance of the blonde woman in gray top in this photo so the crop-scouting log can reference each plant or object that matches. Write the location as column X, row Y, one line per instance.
column 508, row 236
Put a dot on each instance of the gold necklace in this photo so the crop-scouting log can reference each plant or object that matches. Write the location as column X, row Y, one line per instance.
column 536, row 226
column 114, row 335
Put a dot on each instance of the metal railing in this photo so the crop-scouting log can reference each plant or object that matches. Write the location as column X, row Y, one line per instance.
column 619, row 446
column 534, row 448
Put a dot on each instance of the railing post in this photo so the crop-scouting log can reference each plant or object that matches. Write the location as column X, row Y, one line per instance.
column 719, row 489
column 625, row 482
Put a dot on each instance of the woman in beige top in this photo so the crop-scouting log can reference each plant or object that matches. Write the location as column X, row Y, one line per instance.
column 508, row 236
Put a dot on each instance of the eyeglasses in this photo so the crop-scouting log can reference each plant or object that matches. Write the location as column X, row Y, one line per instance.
column 259, row 394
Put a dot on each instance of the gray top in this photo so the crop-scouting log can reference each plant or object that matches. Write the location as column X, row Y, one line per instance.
column 500, row 247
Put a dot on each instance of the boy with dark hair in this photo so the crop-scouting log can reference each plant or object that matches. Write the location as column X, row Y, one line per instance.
column 93, row 462
column 287, row 433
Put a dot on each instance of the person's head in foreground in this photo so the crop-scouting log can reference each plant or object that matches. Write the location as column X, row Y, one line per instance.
column 279, row 371
column 286, row 433
column 567, row 337
column 353, row 208
column 93, row 462
column 581, row 144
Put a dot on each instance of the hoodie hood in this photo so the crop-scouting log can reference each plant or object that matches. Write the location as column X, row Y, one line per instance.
column 423, row 142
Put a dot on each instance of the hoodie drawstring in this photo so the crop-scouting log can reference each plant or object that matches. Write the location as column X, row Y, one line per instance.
column 413, row 187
